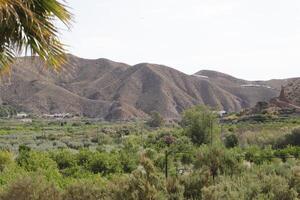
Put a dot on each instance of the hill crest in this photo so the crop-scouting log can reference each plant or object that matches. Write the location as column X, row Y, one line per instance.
column 116, row 91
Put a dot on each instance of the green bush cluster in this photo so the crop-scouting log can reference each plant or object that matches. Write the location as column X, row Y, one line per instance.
column 112, row 162
column 7, row 111
column 199, row 123
column 215, row 172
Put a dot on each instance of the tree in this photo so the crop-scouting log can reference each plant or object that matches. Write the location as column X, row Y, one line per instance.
column 198, row 123
column 28, row 25
column 156, row 120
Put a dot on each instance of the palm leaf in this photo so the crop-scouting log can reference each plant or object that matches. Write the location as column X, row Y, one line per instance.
column 28, row 25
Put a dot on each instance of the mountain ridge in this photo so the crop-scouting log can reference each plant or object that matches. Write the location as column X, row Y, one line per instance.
column 117, row 91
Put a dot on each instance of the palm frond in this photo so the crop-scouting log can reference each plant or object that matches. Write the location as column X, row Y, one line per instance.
column 28, row 25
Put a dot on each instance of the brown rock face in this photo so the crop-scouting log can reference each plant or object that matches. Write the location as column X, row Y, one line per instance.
column 116, row 91
column 292, row 92
column 289, row 97
column 282, row 96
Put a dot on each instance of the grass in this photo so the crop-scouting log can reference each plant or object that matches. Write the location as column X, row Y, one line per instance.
column 261, row 134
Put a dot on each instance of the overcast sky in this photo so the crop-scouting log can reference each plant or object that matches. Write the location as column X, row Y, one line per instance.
column 250, row 39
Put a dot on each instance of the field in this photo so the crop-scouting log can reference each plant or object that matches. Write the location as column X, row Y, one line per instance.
column 193, row 159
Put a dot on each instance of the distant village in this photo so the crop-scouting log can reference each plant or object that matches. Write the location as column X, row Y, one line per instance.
column 25, row 117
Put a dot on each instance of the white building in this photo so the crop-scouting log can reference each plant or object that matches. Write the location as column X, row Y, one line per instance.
column 22, row 115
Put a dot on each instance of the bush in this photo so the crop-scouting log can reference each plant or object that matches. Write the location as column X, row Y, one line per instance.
column 7, row 111
column 194, row 182
column 83, row 191
column 231, row 141
column 128, row 161
column 156, row 120
column 64, row 159
column 31, row 188
column 218, row 160
column 83, row 157
column 143, row 183
column 40, row 162
column 258, row 155
column 6, row 158
column 259, row 186
column 104, row 163
column 174, row 189
column 295, row 182
column 32, row 161
column 292, row 139
column 198, row 123
column 287, row 152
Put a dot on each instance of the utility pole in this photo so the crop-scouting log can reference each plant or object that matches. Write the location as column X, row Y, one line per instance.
column 211, row 131
column 166, row 163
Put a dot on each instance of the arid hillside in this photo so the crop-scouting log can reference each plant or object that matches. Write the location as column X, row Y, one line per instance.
column 116, row 91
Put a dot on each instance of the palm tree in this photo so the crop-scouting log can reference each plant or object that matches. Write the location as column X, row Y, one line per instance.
column 29, row 26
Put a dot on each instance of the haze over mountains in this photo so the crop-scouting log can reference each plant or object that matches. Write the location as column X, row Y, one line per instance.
column 116, row 91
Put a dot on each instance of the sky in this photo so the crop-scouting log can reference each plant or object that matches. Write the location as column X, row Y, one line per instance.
column 249, row 39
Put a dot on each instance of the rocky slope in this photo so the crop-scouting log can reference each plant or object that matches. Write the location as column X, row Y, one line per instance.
column 115, row 91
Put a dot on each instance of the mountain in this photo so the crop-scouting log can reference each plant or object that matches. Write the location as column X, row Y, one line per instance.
column 292, row 92
column 287, row 103
column 116, row 91
column 250, row 92
column 289, row 98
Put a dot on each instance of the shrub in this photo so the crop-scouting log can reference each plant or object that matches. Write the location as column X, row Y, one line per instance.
column 104, row 163
column 6, row 158
column 143, row 183
column 104, row 138
column 40, row 162
column 287, row 152
column 64, row 159
column 7, row 111
column 218, row 160
column 31, row 188
column 251, row 186
column 128, row 161
column 83, row 157
column 295, row 182
column 198, row 123
column 194, row 182
column 74, row 145
column 155, row 120
column 84, row 191
column 258, row 155
column 32, row 161
column 174, row 189
column 231, row 141
column 292, row 139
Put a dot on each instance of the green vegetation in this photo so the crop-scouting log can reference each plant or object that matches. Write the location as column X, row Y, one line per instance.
column 198, row 123
column 156, row 120
column 7, row 111
column 98, row 160
column 231, row 141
